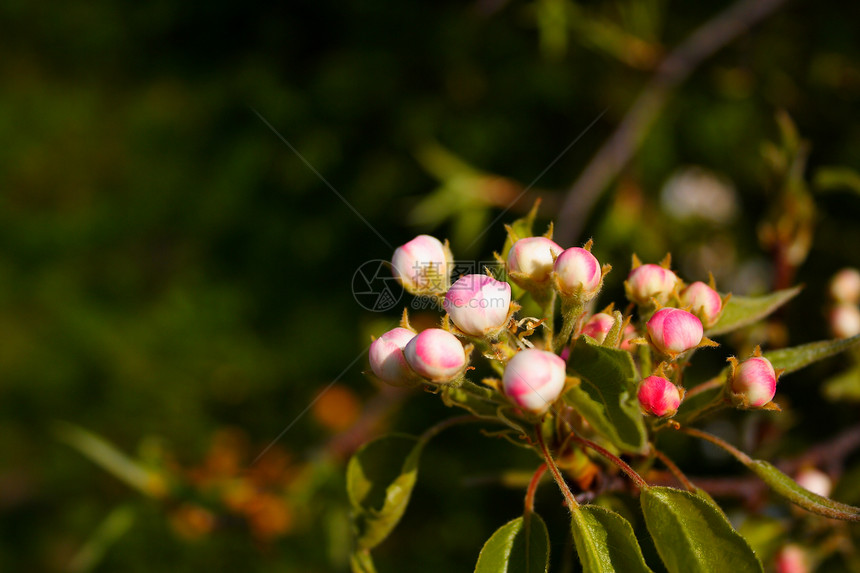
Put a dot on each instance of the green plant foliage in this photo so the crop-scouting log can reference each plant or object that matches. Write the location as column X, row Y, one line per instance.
column 606, row 395
column 797, row 357
column 741, row 311
column 519, row 546
column 379, row 481
column 790, row 489
column 605, row 542
column 692, row 535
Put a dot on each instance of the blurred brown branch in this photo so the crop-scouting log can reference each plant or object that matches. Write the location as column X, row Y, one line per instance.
column 672, row 71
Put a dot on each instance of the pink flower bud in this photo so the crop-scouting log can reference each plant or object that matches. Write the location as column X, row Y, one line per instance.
column 845, row 286
column 598, row 326
column 533, row 256
column 534, row 379
column 754, row 382
column 422, row 265
column 386, row 357
column 658, row 396
column 478, row 304
column 578, row 273
column 674, row 331
column 436, row 355
column 650, row 281
column 844, row 320
column 815, row 481
column 705, row 302
column 792, row 559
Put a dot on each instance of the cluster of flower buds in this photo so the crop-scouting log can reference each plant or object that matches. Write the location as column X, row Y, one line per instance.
column 673, row 318
column 844, row 315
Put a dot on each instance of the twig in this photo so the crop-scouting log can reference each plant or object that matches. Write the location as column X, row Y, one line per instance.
column 672, row 71
column 676, row 471
column 562, row 485
column 622, row 465
column 533, row 485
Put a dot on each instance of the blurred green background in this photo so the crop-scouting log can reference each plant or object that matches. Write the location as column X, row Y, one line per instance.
column 177, row 281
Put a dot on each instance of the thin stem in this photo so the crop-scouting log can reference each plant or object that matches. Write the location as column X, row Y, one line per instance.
column 676, row 471
column 631, row 473
column 433, row 431
column 562, row 485
column 705, row 386
column 533, row 485
column 742, row 457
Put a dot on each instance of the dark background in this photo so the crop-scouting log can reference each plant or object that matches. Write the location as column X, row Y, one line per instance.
column 175, row 279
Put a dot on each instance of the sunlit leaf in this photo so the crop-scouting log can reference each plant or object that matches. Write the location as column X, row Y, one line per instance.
column 691, row 535
column 605, row 542
column 115, row 525
column 741, row 310
column 379, row 481
column 837, row 178
column 606, row 396
column 519, row 546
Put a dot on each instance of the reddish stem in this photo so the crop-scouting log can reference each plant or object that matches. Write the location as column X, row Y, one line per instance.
column 533, row 485
column 631, row 473
column 562, row 485
column 676, row 471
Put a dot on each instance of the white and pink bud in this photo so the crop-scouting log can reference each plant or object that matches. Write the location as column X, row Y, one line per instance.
column 845, row 286
column 534, row 379
column 478, row 304
column 533, row 258
column 578, row 274
column 386, row 357
column 704, row 301
column 753, row 382
column 423, row 265
column 598, row 326
column 436, row 355
column 815, row 481
column 792, row 559
column 658, row 396
column 673, row 331
column 628, row 334
column 844, row 320
column 650, row 281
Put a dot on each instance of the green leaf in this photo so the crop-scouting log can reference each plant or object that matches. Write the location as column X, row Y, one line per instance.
column 693, row 405
column 111, row 459
column 605, row 542
column 115, row 525
column 741, row 310
column 692, row 535
column 837, row 178
column 519, row 546
column 787, row 487
column 844, row 386
column 606, row 396
column 797, row 357
column 520, row 229
column 362, row 562
column 379, row 481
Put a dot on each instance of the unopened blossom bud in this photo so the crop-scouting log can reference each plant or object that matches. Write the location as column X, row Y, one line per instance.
column 386, row 357
column 815, row 481
column 422, row 265
column 598, row 326
column 627, row 335
column 704, row 301
column 534, row 379
column 478, row 304
column 753, row 382
column 533, row 257
column 844, row 320
column 673, row 331
column 650, row 281
column 658, row 396
column 792, row 559
column 436, row 355
column 578, row 273
column 845, row 286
